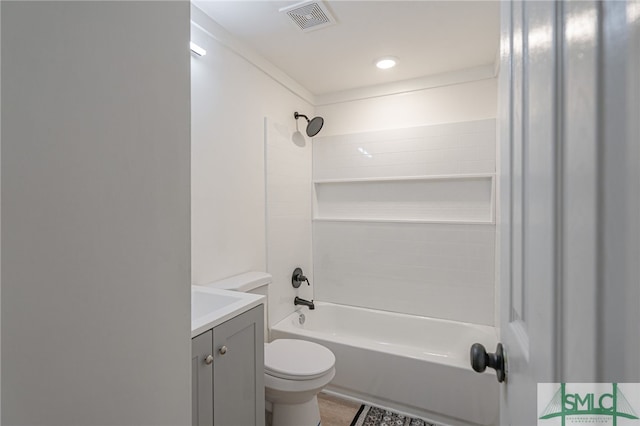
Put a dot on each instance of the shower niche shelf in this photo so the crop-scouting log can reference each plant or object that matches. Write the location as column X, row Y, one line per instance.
column 459, row 199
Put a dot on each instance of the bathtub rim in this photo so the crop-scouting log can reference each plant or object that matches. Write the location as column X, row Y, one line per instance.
column 456, row 362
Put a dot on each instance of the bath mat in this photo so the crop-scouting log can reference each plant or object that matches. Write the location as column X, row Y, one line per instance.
column 375, row 416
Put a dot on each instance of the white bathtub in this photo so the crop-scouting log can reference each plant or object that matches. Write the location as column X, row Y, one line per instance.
column 415, row 365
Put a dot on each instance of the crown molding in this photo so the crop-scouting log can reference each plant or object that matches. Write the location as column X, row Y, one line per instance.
column 406, row 86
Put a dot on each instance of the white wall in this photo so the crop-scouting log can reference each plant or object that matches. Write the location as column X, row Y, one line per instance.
column 230, row 99
column 476, row 100
column 95, row 213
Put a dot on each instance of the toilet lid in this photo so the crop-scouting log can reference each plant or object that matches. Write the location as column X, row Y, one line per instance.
column 297, row 359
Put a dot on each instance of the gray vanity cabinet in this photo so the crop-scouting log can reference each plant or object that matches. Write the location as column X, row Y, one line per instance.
column 228, row 372
column 202, row 379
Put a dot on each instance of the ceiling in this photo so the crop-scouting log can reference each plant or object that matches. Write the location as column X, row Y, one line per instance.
column 427, row 37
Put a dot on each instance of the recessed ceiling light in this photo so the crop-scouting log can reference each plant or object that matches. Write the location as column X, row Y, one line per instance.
column 386, row 63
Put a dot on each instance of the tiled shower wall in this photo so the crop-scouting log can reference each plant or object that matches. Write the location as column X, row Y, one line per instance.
column 404, row 220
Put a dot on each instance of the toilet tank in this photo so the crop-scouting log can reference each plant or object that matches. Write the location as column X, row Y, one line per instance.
column 250, row 282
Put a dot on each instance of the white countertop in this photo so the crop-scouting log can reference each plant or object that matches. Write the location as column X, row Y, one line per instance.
column 211, row 306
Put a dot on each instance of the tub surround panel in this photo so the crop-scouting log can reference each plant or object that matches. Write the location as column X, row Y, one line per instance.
column 443, row 149
column 434, row 270
column 404, row 220
column 442, row 199
column 288, row 215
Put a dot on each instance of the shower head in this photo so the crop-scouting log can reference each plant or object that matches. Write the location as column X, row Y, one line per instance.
column 313, row 126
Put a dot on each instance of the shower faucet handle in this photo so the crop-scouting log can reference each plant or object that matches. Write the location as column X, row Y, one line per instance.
column 298, row 278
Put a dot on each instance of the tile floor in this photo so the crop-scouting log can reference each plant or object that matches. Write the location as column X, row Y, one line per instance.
column 336, row 411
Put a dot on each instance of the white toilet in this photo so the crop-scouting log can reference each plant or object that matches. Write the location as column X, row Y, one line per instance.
column 294, row 370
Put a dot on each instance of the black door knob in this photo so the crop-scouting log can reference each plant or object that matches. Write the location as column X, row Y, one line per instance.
column 480, row 360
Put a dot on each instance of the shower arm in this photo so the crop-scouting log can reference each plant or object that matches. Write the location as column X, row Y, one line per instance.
column 296, row 116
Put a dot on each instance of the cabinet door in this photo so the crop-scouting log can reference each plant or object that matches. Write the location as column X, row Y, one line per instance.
column 238, row 377
column 201, row 380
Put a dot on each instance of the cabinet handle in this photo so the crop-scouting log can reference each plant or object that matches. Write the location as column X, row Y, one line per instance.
column 223, row 350
column 208, row 360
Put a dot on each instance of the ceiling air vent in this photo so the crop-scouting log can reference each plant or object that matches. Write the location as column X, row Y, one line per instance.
column 309, row 15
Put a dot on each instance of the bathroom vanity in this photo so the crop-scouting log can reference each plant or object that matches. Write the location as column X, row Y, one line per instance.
column 227, row 358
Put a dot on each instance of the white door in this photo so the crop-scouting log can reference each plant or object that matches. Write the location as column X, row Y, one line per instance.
column 570, row 213
column 528, row 205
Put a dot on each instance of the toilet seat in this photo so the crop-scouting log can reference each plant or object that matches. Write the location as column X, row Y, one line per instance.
column 291, row 359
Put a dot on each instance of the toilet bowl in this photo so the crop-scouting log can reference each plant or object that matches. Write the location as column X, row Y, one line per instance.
column 295, row 370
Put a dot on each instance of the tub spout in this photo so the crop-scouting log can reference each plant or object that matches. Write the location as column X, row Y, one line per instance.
column 299, row 301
